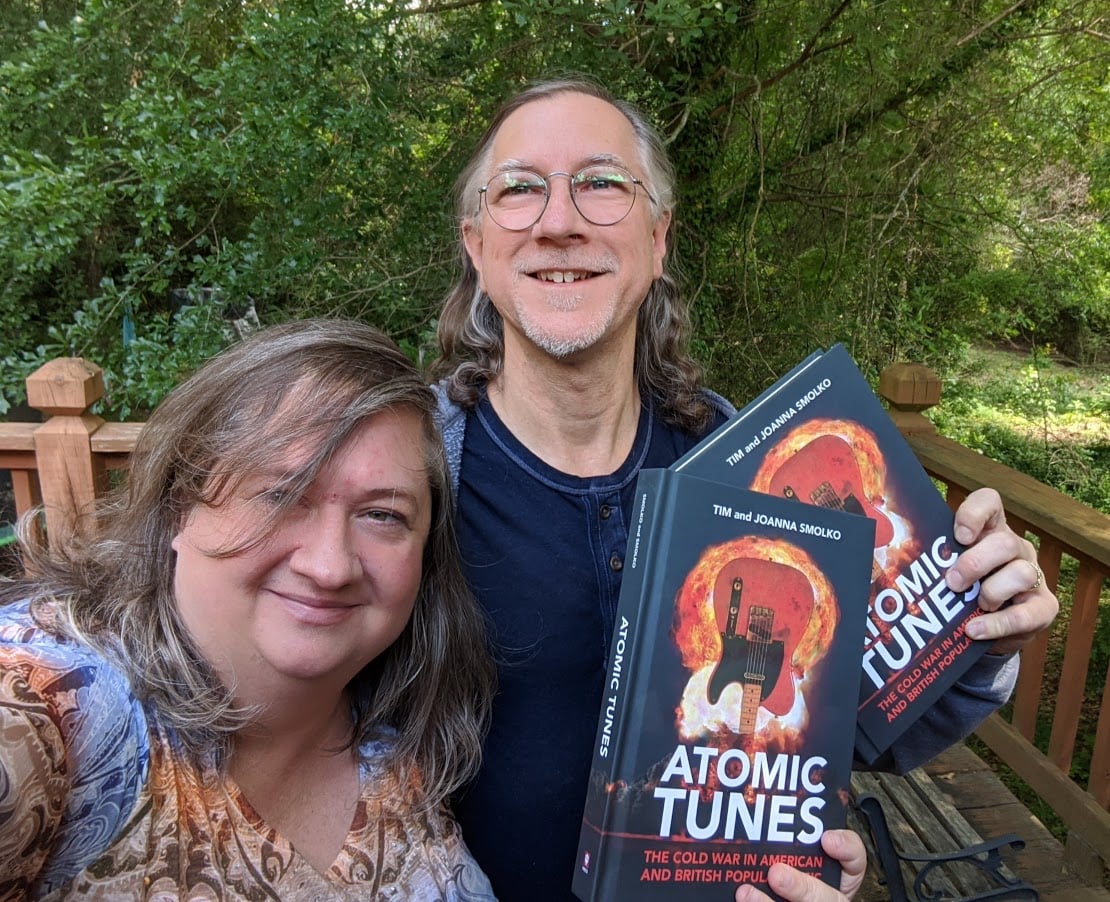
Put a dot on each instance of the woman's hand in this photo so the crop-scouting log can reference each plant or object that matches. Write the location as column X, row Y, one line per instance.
column 794, row 886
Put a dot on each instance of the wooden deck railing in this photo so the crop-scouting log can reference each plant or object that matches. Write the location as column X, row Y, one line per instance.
column 1070, row 536
column 62, row 462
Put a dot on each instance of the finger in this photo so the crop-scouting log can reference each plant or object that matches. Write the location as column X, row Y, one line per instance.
column 980, row 512
column 847, row 848
column 1017, row 579
column 989, row 555
column 1014, row 626
column 794, row 886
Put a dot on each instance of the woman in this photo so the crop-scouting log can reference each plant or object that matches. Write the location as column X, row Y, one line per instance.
column 264, row 677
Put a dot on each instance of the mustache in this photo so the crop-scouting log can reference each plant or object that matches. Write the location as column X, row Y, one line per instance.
column 568, row 262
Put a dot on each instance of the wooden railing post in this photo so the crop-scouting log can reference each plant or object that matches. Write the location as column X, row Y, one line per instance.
column 910, row 388
column 70, row 476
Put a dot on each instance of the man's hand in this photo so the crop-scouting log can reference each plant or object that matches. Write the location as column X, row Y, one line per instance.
column 794, row 886
column 1006, row 566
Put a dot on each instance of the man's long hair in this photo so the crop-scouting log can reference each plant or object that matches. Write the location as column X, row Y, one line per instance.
column 297, row 386
column 471, row 336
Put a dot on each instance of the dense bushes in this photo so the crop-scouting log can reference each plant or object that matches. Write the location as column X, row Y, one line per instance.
column 902, row 178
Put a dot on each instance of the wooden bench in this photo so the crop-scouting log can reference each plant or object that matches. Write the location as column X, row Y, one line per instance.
column 921, row 848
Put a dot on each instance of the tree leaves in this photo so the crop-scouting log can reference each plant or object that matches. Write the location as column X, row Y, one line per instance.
column 864, row 171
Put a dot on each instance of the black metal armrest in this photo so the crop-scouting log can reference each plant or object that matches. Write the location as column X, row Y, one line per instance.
column 986, row 856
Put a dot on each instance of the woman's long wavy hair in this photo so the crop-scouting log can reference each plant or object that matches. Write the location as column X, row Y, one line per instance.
column 308, row 384
column 471, row 339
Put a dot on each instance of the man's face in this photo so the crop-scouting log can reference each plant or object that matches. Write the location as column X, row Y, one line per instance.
column 566, row 285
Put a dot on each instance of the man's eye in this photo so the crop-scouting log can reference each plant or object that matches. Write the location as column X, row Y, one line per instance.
column 601, row 182
column 519, row 188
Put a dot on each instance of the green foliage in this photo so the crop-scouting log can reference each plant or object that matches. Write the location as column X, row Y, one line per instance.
column 1036, row 417
column 1050, row 422
column 139, row 369
column 905, row 178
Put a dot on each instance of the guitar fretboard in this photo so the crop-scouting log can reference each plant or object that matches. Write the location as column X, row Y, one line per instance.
column 761, row 621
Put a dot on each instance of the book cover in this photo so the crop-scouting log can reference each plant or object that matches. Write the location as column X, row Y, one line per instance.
column 823, row 437
column 725, row 737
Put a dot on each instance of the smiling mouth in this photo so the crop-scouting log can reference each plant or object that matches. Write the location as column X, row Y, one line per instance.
column 561, row 276
column 317, row 612
column 322, row 604
column 313, row 603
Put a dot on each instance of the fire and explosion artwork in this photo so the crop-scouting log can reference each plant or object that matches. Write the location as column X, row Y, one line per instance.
column 837, row 463
column 753, row 619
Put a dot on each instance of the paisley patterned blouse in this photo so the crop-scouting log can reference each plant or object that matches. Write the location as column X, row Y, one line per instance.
column 96, row 799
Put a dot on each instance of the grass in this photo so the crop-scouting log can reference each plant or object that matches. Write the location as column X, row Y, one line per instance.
column 1038, row 414
column 1032, row 412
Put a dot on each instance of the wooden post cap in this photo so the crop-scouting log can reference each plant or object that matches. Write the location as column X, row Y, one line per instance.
column 66, row 386
column 910, row 386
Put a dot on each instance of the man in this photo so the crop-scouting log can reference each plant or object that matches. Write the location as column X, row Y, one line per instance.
column 565, row 344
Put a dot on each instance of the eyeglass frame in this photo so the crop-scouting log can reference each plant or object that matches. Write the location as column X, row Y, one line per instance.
column 636, row 182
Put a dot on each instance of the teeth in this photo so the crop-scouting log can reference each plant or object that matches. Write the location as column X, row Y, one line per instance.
column 556, row 276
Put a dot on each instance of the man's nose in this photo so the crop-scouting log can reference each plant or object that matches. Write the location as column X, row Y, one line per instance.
column 560, row 216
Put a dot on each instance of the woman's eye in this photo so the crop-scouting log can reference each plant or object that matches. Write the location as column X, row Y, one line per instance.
column 273, row 496
column 381, row 515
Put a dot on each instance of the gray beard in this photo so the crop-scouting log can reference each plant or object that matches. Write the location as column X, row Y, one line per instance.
column 563, row 347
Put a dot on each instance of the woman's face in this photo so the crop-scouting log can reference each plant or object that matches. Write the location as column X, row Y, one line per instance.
column 335, row 583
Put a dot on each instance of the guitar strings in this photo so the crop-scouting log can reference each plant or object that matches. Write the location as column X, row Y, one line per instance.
column 760, row 621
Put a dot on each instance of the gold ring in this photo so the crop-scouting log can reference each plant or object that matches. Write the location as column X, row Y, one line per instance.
column 1040, row 576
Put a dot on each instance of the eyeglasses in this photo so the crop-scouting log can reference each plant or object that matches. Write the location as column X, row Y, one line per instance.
column 604, row 195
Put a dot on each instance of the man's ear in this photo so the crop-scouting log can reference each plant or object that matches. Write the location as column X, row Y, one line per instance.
column 472, row 240
column 659, row 234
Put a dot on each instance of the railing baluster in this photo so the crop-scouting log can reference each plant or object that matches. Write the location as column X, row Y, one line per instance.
column 1077, row 657
column 1099, row 784
column 25, row 487
column 1028, row 693
column 955, row 495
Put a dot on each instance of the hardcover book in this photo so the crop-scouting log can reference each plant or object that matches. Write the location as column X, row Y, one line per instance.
column 725, row 738
column 822, row 437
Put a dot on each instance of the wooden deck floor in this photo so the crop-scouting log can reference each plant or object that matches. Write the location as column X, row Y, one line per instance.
column 992, row 810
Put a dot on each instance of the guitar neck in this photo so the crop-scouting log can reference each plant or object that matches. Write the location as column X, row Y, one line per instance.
column 761, row 622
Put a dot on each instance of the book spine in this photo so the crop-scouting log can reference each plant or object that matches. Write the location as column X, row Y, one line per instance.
column 621, row 677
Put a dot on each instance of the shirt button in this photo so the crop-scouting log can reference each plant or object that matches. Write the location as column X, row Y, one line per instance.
column 605, row 511
column 615, row 562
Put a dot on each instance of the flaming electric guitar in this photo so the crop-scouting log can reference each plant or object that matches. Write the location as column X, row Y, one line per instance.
column 754, row 660
column 825, row 472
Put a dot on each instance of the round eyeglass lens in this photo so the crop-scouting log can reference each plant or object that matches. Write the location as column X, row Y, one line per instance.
column 516, row 199
column 604, row 195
